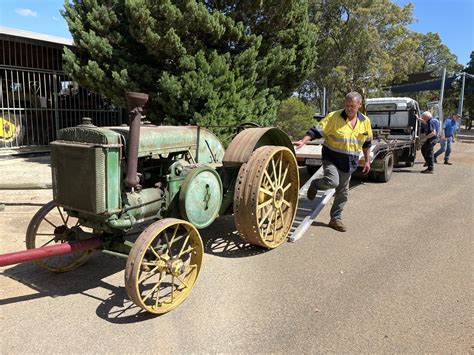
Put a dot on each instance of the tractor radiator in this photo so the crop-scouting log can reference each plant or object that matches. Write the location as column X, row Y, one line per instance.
column 86, row 177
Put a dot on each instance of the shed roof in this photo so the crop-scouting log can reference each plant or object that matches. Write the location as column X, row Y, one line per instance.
column 12, row 32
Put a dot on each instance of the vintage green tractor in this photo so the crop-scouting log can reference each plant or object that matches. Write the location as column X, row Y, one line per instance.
column 108, row 179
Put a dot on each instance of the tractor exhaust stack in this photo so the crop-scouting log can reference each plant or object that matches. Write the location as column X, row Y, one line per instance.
column 135, row 101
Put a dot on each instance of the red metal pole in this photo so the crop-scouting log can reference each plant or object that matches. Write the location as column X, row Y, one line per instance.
column 49, row 251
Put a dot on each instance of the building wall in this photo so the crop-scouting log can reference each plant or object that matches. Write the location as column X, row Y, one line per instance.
column 38, row 98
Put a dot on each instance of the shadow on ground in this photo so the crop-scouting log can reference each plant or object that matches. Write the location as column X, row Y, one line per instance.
column 227, row 242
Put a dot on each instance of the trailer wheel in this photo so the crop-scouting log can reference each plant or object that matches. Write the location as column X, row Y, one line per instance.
column 52, row 225
column 266, row 196
column 386, row 174
column 163, row 265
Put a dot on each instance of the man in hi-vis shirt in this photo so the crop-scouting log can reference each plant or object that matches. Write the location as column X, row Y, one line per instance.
column 346, row 133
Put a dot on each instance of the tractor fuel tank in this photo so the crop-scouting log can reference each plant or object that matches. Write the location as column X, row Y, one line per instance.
column 204, row 146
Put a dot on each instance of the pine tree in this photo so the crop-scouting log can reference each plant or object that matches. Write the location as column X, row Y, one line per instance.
column 201, row 62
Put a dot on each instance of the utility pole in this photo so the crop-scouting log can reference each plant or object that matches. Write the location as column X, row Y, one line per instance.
column 441, row 96
column 324, row 101
column 461, row 97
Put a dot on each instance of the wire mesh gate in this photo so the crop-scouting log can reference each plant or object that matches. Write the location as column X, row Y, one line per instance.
column 36, row 104
column 38, row 99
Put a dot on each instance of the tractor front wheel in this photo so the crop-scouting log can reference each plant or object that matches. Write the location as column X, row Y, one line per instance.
column 163, row 265
column 52, row 225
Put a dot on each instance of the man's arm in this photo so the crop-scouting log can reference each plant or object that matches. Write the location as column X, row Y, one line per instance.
column 420, row 119
column 313, row 133
column 302, row 141
column 366, row 152
column 431, row 134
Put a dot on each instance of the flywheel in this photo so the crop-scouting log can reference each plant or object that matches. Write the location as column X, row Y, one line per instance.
column 200, row 197
column 266, row 196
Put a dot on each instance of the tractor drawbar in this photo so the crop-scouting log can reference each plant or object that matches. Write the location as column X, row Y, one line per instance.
column 49, row 251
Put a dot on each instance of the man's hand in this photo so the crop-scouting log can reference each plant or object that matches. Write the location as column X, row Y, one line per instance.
column 298, row 144
column 302, row 141
column 366, row 167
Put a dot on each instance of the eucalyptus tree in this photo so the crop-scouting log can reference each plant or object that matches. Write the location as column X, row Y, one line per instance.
column 362, row 45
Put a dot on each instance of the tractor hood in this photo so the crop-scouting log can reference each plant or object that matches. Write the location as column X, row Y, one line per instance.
column 154, row 140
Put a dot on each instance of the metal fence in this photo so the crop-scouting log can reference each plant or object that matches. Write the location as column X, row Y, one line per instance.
column 38, row 99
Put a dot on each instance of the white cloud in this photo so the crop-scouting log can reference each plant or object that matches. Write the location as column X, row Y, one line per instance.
column 26, row 12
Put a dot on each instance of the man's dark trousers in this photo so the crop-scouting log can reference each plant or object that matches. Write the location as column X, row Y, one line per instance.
column 428, row 154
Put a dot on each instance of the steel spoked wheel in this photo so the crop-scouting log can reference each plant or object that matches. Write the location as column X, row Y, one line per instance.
column 52, row 225
column 266, row 196
column 163, row 265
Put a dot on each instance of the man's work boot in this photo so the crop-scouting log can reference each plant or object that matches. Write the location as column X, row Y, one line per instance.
column 427, row 171
column 448, row 163
column 337, row 225
column 312, row 191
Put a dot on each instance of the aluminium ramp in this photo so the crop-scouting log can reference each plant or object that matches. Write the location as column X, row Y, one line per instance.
column 303, row 220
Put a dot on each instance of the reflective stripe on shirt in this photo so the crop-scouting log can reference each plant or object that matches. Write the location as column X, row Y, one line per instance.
column 343, row 142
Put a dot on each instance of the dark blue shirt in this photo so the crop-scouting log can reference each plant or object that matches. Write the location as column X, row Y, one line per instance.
column 433, row 124
column 436, row 125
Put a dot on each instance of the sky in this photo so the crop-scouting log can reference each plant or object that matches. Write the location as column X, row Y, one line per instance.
column 452, row 19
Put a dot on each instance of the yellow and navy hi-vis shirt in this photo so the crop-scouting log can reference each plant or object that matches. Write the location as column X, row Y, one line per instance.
column 342, row 143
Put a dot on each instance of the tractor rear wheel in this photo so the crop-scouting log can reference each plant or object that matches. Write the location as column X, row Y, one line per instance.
column 52, row 225
column 266, row 196
column 163, row 265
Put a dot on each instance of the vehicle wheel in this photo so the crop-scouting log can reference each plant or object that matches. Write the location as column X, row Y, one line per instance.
column 11, row 131
column 386, row 174
column 311, row 169
column 163, row 265
column 266, row 196
column 52, row 225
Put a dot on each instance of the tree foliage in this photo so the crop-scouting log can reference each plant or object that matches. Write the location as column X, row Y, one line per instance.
column 469, row 94
column 294, row 117
column 202, row 62
column 436, row 55
column 362, row 44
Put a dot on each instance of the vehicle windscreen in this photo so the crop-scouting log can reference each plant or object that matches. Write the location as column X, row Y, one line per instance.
column 386, row 115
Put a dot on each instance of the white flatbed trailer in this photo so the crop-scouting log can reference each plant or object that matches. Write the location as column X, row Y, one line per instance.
column 383, row 156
